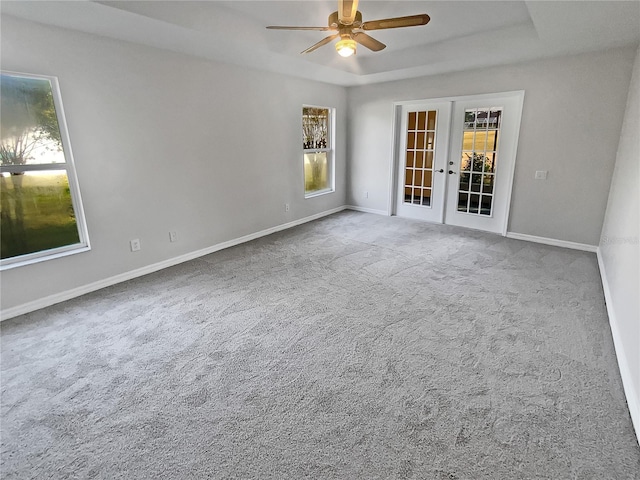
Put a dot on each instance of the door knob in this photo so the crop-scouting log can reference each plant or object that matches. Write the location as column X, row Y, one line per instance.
column 451, row 171
column 439, row 171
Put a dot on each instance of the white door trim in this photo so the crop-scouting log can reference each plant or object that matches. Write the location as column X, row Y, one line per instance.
column 458, row 98
column 520, row 99
column 393, row 164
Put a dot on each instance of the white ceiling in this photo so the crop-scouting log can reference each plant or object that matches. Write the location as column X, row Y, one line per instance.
column 461, row 35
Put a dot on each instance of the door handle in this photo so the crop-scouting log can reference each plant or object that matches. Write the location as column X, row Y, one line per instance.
column 451, row 171
column 439, row 171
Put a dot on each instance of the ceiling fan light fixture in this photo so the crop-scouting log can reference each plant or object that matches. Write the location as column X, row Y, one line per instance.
column 346, row 47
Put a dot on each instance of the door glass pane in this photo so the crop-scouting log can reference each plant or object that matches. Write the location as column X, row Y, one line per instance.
column 467, row 140
column 410, row 156
column 487, row 183
column 476, row 179
column 428, row 163
column 485, row 205
column 431, row 124
column 422, row 118
column 495, row 119
column 489, row 162
column 492, row 140
column 426, row 179
column 418, row 178
column 477, row 162
column 411, row 124
column 408, row 177
column 479, row 156
column 431, row 136
column 474, row 203
column 426, row 196
column 411, row 140
column 465, row 163
column 469, row 119
column 464, row 182
column 463, row 200
column 419, row 157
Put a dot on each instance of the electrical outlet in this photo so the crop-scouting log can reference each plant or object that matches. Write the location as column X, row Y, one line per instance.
column 135, row 244
column 366, row 194
column 173, row 236
column 286, row 207
column 541, row 174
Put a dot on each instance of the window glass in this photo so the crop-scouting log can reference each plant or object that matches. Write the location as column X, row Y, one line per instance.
column 40, row 210
column 317, row 144
column 315, row 172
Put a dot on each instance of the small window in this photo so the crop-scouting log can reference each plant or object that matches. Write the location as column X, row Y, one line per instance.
column 317, row 144
column 40, row 208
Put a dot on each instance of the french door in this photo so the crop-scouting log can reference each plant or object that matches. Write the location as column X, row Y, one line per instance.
column 423, row 152
column 456, row 160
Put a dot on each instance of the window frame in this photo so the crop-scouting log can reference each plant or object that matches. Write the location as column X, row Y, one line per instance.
column 83, row 245
column 329, row 150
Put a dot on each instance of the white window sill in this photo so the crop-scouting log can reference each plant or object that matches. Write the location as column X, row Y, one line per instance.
column 41, row 257
column 319, row 193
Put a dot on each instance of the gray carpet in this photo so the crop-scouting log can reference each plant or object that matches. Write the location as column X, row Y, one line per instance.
column 353, row 347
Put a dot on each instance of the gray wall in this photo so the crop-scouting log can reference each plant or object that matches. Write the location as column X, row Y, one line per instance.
column 162, row 142
column 620, row 248
column 571, row 124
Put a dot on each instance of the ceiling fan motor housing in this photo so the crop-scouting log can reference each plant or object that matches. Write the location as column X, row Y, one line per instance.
column 334, row 21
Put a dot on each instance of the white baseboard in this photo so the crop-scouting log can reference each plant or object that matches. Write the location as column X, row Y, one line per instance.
column 123, row 277
column 633, row 402
column 367, row 210
column 554, row 242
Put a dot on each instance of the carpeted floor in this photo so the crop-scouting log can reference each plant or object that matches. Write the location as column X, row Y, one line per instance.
column 354, row 347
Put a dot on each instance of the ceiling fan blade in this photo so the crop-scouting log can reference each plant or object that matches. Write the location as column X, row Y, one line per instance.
column 318, row 29
column 410, row 21
column 369, row 42
column 347, row 10
column 322, row 42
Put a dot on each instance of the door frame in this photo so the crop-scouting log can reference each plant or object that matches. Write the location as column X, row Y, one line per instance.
column 396, row 132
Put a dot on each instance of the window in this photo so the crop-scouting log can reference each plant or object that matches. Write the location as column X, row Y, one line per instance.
column 41, row 216
column 317, row 144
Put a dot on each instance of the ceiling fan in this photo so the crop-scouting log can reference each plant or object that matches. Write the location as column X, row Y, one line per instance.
column 348, row 25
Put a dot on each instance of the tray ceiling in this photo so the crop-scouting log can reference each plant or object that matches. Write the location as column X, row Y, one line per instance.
column 462, row 35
